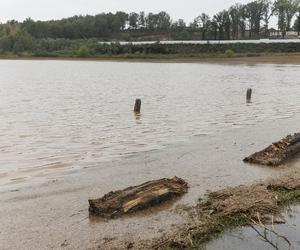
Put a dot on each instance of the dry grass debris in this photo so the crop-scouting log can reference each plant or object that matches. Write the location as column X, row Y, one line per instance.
column 230, row 208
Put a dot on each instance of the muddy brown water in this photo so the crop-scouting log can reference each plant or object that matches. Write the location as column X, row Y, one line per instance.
column 68, row 134
column 248, row 239
column 58, row 116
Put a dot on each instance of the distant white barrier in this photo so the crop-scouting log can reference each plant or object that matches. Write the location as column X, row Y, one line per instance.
column 209, row 42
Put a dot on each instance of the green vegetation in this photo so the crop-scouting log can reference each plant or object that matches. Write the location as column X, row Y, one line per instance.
column 287, row 197
column 26, row 46
column 79, row 35
column 229, row 53
column 84, row 51
column 239, row 21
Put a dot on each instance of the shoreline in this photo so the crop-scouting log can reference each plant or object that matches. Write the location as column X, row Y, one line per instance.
column 62, row 203
column 247, row 206
column 272, row 58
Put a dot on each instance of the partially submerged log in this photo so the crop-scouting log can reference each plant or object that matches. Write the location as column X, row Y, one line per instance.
column 116, row 204
column 278, row 153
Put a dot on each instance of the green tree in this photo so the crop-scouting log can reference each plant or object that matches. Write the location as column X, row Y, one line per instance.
column 255, row 13
column 285, row 10
column 223, row 23
column 151, row 21
column 133, row 20
column 268, row 12
column 179, row 24
column 234, row 14
column 123, row 17
column 163, row 21
column 297, row 24
column 141, row 20
column 202, row 22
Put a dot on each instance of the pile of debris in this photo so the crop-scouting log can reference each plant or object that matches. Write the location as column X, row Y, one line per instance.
column 257, row 204
column 251, row 205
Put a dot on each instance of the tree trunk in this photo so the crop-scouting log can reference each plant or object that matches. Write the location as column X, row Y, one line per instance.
column 278, row 153
column 116, row 204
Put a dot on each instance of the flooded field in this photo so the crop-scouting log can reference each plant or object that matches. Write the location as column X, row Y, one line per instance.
column 68, row 134
column 59, row 116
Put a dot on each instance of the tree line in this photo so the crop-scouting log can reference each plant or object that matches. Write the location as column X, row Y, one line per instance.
column 240, row 21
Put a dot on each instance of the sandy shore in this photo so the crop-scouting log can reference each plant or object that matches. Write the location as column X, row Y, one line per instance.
column 291, row 58
column 54, row 215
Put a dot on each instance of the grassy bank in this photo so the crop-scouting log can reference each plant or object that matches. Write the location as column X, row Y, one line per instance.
column 61, row 48
column 255, row 205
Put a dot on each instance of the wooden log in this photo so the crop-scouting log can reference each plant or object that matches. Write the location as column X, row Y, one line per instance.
column 249, row 95
column 129, row 200
column 137, row 106
column 278, row 153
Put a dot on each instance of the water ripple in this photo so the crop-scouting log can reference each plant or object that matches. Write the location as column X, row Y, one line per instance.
column 58, row 114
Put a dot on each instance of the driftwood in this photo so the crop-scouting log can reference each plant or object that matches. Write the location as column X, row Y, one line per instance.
column 116, row 204
column 278, row 153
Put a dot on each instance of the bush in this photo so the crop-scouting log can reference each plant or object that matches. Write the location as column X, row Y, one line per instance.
column 229, row 53
column 84, row 51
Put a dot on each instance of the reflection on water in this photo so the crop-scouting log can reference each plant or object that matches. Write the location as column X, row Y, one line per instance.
column 60, row 115
column 248, row 239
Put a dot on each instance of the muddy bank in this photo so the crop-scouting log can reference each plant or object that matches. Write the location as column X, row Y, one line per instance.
column 55, row 215
column 254, row 205
column 271, row 58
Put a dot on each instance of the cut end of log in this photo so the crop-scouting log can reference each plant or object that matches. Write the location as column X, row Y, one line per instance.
column 278, row 153
column 132, row 199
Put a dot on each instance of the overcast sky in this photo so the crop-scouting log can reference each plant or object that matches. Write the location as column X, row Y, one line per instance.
column 55, row 9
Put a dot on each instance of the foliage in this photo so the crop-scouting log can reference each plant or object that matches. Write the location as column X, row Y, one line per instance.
column 84, row 51
column 249, row 20
column 285, row 10
column 19, row 43
column 79, row 35
column 229, row 53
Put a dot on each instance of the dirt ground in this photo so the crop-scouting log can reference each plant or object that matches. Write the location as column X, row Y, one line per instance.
column 273, row 58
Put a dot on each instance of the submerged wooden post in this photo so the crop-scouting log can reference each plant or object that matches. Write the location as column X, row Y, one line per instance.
column 137, row 106
column 249, row 95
